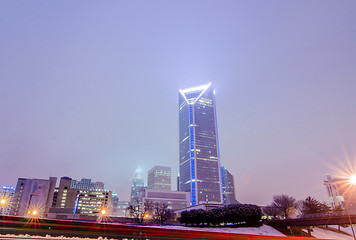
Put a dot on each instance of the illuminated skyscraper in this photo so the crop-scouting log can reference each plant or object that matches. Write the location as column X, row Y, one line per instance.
column 137, row 187
column 199, row 163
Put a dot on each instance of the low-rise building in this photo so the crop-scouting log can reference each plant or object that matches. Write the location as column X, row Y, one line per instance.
column 33, row 197
column 173, row 199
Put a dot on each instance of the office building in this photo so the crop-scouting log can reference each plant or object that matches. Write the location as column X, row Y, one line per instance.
column 33, row 197
column 173, row 199
column 6, row 199
column 137, row 187
column 228, row 186
column 159, row 178
column 199, row 163
column 85, row 200
column 86, row 184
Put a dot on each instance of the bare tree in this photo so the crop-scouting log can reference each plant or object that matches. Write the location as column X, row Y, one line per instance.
column 161, row 212
column 280, row 205
column 140, row 210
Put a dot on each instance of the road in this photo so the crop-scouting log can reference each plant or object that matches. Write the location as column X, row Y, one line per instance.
column 53, row 227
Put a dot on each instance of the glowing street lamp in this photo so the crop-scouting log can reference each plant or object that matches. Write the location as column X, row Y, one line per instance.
column 103, row 212
column 33, row 213
column 3, row 203
column 352, row 182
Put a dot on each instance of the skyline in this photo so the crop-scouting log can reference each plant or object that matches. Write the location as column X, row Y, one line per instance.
column 88, row 88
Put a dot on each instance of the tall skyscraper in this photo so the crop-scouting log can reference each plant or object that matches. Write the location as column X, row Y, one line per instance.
column 228, row 186
column 159, row 178
column 199, row 162
column 137, row 187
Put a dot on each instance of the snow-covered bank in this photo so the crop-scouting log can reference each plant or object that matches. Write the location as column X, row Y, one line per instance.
column 322, row 233
column 319, row 233
column 263, row 230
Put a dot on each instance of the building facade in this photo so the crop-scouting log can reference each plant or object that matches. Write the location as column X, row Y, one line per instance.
column 228, row 186
column 199, row 162
column 33, row 197
column 86, row 184
column 85, row 200
column 159, row 178
column 172, row 199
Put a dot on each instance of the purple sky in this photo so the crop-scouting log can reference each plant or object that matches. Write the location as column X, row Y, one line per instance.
column 90, row 90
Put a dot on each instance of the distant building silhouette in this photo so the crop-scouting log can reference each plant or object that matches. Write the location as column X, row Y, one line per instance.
column 137, row 187
column 228, row 186
column 121, row 209
column 199, row 163
column 33, row 197
column 86, row 184
column 159, row 178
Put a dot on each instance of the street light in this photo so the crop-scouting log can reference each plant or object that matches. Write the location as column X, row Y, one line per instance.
column 102, row 215
column 352, row 180
column 3, row 203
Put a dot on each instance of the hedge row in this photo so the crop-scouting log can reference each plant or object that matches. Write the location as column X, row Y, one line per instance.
column 231, row 214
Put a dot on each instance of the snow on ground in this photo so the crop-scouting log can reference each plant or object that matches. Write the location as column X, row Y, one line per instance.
column 321, row 233
column 318, row 233
column 344, row 229
column 263, row 230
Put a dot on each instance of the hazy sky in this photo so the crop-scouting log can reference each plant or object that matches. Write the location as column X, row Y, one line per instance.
column 89, row 89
